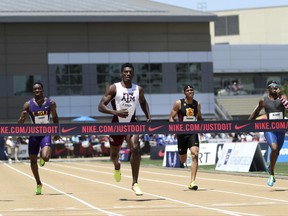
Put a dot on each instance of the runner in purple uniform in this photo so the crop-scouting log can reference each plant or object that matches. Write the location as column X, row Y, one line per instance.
column 39, row 109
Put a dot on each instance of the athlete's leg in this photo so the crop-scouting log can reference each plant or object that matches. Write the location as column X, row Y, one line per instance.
column 183, row 158
column 133, row 142
column 114, row 155
column 45, row 152
column 277, row 142
column 273, row 157
column 34, row 168
column 182, row 147
column 272, row 142
column 194, row 167
column 33, row 150
column 115, row 147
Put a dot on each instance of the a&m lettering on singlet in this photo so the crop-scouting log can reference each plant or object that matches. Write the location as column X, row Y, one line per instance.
column 127, row 99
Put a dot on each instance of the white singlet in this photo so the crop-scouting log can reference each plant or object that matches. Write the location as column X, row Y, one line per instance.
column 126, row 98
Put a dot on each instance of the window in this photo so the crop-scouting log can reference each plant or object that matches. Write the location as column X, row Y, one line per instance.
column 69, row 80
column 106, row 75
column 227, row 25
column 248, row 83
column 23, row 85
column 188, row 74
column 148, row 76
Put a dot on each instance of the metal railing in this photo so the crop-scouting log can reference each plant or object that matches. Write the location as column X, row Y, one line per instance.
column 220, row 112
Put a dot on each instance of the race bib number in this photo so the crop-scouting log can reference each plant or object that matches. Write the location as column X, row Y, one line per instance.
column 42, row 119
column 189, row 118
column 276, row 115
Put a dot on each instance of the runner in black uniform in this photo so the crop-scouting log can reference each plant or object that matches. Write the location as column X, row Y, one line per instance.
column 188, row 109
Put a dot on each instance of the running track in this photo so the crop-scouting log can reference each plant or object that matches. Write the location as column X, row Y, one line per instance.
column 86, row 187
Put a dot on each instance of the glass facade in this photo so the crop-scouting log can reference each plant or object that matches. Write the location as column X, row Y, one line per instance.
column 69, row 80
column 245, row 83
column 106, row 74
column 149, row 76
column 189, row 73
column 23, row 84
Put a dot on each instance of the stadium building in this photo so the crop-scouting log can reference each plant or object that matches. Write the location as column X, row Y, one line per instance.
column 76, row 48
column 250, row 47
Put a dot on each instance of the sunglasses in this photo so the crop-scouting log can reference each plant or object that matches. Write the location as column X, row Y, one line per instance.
column 274, row 85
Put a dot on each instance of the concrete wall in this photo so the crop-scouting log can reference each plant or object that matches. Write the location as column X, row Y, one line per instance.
column 24, row 49
column 256, row 26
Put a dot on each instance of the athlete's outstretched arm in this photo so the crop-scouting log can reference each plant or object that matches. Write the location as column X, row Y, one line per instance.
column 257, row 110
column 283, row 100
column 174, row 111
column 144, row 105
column 23, row 113
column 53, row 108
column 54, row 112
column 199, row 113
column 106, row 99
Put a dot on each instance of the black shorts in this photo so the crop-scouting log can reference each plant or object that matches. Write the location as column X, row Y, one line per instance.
column 186, row 141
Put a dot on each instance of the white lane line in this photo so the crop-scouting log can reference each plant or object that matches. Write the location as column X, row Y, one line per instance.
column 64, row 193
column 164, row 173
column 153, row 195
column 180, row 185
column 244, row 204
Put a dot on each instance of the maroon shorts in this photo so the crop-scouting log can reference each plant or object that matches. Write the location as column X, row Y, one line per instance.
column 116, row 140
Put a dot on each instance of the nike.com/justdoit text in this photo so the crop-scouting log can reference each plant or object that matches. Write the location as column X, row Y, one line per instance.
column 200, row 127
column 114, row 128
column 29, row 129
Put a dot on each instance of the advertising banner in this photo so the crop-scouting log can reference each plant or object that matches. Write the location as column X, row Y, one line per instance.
column 241, row 157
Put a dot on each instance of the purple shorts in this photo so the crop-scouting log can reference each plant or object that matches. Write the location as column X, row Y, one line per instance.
column 37, row 142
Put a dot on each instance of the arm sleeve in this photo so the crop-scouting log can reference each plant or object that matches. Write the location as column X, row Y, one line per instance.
column 284, row 102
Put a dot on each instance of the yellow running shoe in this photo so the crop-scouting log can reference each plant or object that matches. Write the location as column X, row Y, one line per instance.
column 117, row 175
column 137, row 189
column 193, row 186
column 271, row 180
column 38, row 190
column 41, row 162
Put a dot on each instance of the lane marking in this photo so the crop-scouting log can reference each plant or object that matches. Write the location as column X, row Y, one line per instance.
column 153, row 195
column 180, row 185
column 66, row 194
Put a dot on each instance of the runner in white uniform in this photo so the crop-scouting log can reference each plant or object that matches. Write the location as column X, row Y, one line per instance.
column 124, row 97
